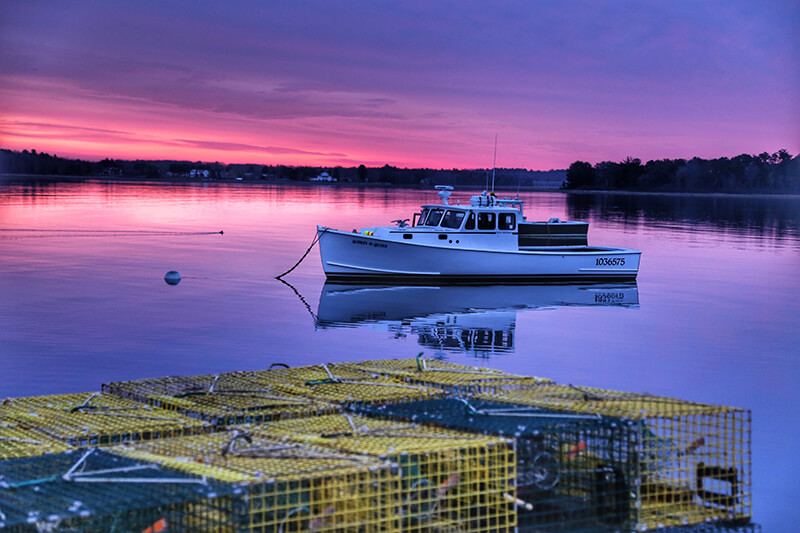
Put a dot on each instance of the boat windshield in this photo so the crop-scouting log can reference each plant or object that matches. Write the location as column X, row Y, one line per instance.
column 452, row 219
column 434, row 217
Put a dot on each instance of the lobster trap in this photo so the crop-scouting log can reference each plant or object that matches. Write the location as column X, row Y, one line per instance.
column 693, row 461
column 96, row 492
column 220, row 399
column 451, row 378
column 290, row 487
column 573, row 470
column 450, row 480
column 98, row 419
column 342, row 384
column 17, row 441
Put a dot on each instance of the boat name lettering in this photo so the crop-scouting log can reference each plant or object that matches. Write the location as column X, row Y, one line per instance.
column 608, row 297
column 610, row 261
column 369, row 243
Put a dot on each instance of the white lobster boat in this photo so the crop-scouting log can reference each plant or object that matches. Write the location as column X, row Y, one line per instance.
column 473, row 243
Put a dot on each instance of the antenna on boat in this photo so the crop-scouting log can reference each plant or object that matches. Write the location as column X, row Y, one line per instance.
column 494, row 162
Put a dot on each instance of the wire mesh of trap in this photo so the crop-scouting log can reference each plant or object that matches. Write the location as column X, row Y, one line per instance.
column 573, row 470
column 693, row 460
column 16, row 441
column 291, row 487
column 449, row 377
column 99, row 419
column 220, row 399
column 341, row 384
column 96, row 492
column 450, row 479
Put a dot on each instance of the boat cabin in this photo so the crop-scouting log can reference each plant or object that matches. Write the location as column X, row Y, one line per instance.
column 459, row 218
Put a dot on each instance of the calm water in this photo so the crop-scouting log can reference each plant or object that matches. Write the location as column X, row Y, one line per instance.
column 713, row 318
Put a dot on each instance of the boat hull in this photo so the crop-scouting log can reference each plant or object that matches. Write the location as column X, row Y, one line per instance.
column 353, row 257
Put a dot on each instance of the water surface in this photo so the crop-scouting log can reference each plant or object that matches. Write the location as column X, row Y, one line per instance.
column 713, row 317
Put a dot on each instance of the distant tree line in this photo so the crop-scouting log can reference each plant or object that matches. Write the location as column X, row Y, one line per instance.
column 778, row 172
column 39, row 163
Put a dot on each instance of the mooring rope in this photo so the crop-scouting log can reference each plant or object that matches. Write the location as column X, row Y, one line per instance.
column 302, row 300
column 315, row 241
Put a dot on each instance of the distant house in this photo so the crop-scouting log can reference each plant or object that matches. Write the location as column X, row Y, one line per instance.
column 323, row 177
column 199, row 173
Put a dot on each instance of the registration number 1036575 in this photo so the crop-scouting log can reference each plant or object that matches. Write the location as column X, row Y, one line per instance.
column 610, row 261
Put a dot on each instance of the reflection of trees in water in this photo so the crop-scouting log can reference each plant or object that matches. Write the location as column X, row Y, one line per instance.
column 777, row 218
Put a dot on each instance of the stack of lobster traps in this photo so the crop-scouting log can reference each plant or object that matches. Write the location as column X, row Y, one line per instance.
column 407, row 445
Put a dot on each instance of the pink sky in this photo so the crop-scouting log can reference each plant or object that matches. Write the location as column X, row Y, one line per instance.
column 405, row 83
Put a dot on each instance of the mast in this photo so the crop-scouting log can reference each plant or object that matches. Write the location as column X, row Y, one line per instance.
column 494, row 161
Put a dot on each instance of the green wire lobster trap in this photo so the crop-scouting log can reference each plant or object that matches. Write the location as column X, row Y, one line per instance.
column 693, row 460
column 573, row 471
column 220, row 399
column 290, row 487
column 96, row 492
column 451, row 481
column 442, row 375
column 98, row 419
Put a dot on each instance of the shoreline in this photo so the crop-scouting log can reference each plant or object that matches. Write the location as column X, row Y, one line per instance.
column 379, row 185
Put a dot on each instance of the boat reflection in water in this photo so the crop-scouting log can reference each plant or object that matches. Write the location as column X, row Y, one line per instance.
column 477, row 320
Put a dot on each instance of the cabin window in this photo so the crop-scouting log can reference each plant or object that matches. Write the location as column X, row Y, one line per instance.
column 452, row 219
column 486, row 221
column 507, row 221
column 470, row 221
column 434, row 217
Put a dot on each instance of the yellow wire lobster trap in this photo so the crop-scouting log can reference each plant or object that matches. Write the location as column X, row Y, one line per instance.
column 442, row 375
column 99, row 419
column 693, row 461
column 290, row 487
column 16, row 441
column 342, row 384
column 221, row 399
column 451, row 481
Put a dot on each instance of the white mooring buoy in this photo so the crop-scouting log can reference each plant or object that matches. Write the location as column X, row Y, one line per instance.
column 172, row 277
